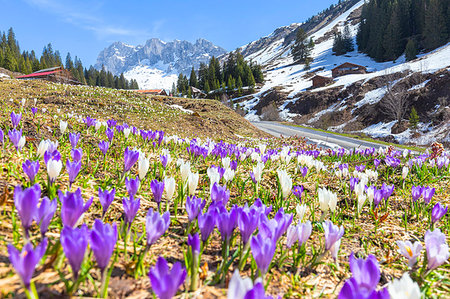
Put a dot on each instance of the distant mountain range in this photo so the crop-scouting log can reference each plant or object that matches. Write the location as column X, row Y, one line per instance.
column 157, row 63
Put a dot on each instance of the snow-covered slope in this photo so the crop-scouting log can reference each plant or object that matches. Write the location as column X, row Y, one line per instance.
column 293, row 82
column 157, row 63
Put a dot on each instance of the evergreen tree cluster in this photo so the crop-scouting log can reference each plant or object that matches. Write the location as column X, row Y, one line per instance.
column 25, row 62
column 234, row 74
column 391, row 27
column 343, row 42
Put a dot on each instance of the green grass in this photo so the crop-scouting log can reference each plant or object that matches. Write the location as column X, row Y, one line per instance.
column 359, row 137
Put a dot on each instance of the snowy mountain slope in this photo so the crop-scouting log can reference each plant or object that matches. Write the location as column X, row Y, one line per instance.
column 157, row 63
column 293, row 84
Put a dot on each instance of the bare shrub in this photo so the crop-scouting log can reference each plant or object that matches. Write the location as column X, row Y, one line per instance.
column 270, row 112
column 395, row 101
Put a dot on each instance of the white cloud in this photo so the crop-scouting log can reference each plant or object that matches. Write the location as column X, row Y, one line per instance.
column 87, row 15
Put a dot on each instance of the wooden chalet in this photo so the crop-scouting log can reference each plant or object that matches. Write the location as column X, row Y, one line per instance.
column 55, row 74
column 197, row 93
column 320, row 81
column 348, row 68
column 158, row 92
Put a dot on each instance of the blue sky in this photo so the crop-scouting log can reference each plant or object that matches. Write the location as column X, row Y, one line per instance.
column 85, row 27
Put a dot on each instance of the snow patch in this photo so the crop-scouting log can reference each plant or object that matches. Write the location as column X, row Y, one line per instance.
column 174, row 106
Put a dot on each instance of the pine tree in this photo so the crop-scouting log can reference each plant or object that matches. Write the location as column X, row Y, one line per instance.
column 435, row 29
column 413, row 119
column 189, row 94
column 69, row 62
column 174, row 89
column 239, row 85
column 411, row 50
column 193, row 78
column 301, row 50
column 207, row 89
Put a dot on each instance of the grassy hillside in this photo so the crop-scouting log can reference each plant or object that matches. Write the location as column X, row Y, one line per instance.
column 205, row 118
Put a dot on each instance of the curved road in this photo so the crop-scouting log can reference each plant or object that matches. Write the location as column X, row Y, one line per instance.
column 318, row 137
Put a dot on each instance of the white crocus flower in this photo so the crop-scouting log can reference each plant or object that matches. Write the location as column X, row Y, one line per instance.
column 361, row 201
column 42, row 148
column 98, row 125
column 214, row 176
column 285, row 182
column 126, row 132
column 63, row 126
column 169, row 187
column 370, row 194
column 255, row 157
column 262, row 148
column 24, row 101
column 143, row 166
column 323, row 200
column 228, row 175
column 404, row 288
column 185, row 169
column 238, row 287
column 193, row 182
column 405, row 171
column 257, row 171
column 21, row 143
column 226, row 162
column 301, row 211
column 53, row 169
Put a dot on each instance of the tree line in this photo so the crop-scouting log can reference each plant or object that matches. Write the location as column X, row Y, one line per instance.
column 25, row 62
column 390, row 28
column 235, row 73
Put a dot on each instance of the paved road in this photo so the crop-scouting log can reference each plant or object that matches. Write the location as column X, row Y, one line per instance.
column 321, row 138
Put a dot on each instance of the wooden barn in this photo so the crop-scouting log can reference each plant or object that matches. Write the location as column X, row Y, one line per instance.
column 55, row 74
column 157, row 92
column 197, row 93
column 348, row 68
column 320, row 81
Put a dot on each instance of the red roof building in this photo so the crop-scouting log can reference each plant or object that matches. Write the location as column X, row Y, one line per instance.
column 55, row 74
column 159, row 92
column 348, row 68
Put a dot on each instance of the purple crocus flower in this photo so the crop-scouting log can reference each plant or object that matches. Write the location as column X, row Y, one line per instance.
column 15, row 119
column 73, row 169
column 304, row 171
column 247, row 222
column 2, row 136
column 353, row 182
column 106, row 198
column 410, row 250
column 103, row 146
column 226, row 222
column 304, row 232
column 110, row 134
column 73, row 138
column 34, row 110
column 111, row 123
column 157, row 190
column 252, row 176
column 376, row 163
column 72, row 206
column 30, row 168
column 165, row 282
column 130, row 158
column 427, row 194
column 89, row 121
column 257, row 292
column 438, row 212
column 45, row 213
column 291, row 235
column 387, row 190
column 233, row 165
column 164, row 159
column 130, row 208
column 194, row 243
column 437, row 248
column 363, row 283
column 263, row 250
column 194, row 206
column 377, row 197
column 16, row 136
column 206, row 224
column 52, row 155
column 220, row 194
column 132, row 186
column 26, row 261
column 26, row 202
column 263, row 209
column 77, row 154
column 416, row 192
column 333, row 235
column 156, row 225
column 103, row 238
column 298, row 191
column 74, row 242
column 360, row 168
column 276, row 227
